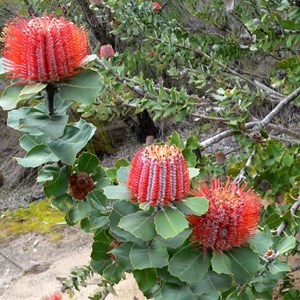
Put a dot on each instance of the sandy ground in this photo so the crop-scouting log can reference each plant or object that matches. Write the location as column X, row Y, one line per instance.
column 30, row 265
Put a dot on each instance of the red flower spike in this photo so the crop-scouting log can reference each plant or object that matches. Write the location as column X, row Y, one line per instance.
column 159, row 175
column 56, row 296
column 232, row 216
column 156, row 6
column 80, row 184
column 107, row 51
column 44, row 49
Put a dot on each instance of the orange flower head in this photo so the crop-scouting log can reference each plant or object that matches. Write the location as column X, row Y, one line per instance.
column 159, row 175
column 44, row 49
column 232, row 216
column 80, row 184
column 107, row 51
column 56, row 296
column 156, row 6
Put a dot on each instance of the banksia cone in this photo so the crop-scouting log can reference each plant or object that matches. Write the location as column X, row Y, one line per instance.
column 56, row 296
column 107, row 51
column 44, row 49
column 232, row 216
column 80, row 184
column 159, row 175
column 156, row 6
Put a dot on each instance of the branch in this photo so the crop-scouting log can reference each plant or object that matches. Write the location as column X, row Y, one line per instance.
column 241, row 175
column 284, row 130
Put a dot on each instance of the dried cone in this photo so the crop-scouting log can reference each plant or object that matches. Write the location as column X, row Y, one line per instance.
column 159, row 175
column 156, row 6
column 80, row 184
column 44, row 49
column 232, row 217
column 107, row 51
column 56, row 296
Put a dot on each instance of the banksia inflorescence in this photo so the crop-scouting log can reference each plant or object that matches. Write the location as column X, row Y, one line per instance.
column 159, row 175
column 55, row 296
column 156, row 6
column 44, row 49
column 80, row 184
column 106, row 51
column 232, row 217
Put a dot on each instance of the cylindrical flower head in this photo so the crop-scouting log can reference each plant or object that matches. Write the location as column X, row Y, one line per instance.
column 232, row 216
column 107, row 51
column 156, row 6
column 43, row 49
column 159, row 175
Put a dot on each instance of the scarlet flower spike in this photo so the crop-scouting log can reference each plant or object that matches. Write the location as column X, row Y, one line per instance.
column 159, row 175
column 232, row 217
column 55, row 296
column 107, row 51
column 45, row 49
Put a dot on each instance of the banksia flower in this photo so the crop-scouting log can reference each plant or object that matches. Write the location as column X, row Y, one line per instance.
column 159, row 175
column 156, row 6
column 80, row 184
column 44, row 49
column 56, row 296
column 107, row 51
column 232, row 216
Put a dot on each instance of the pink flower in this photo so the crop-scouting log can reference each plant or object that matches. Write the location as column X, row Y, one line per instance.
column 44, row 49
column 107, row 51
column 232, row 217
column 156, row 6
column 159, row 175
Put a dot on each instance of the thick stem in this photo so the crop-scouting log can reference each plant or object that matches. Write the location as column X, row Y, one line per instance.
column 50, row 91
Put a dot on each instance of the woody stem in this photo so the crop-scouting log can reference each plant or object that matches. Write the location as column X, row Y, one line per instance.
column 50, row 91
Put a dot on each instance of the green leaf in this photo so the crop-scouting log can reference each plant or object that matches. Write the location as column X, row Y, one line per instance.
column 112, row 273
column 27, row 141
column 278, row 266
column 189, row 264
column 190, row 157
column 118, row 192
column 122, row 255
column 221, row 263
column 52, row 126
column 98, row 200
column 59, row 182
column 244, row 264
column 79, row 211
column 273, row 221
column 193, row 172
column 36, row 156
column 122, row 174
column 140, row 224
column 193, row 205
column 286, row 244
column 83, row 88
column 63, row 202
column 178, row 240
column 176, row 139
column 152, row 255
column 171, row 291
column 30, row 90
column 261, row 242
column 9, row 98
column 74, row 139
column 87, row 162
column 146, row 279
column 170, row 222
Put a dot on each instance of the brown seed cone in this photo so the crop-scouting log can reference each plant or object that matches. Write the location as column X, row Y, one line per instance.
column 80, row 184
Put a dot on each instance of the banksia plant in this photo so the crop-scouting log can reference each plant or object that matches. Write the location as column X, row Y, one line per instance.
column 56, row 296
column 232, row 217
column 106, row 51
column 159, row 175
column 44, row 49
column 156, row 6
column 80, row 184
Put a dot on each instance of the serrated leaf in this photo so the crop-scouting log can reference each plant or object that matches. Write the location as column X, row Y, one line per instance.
column 193, row 205
column 31, row 90
column 83, row 87
column 189, row 264
column 122, row 255
column 221, row 263
column 193, row 172
column 171, row 291
column 27, row 142
column 190, row 157
column 140, row 224
column 176, row 139
column 286, row 244
column 122, row 174
column 176, row 241
column 79, row 211
column 170, row 222
column 63, row 202
column 9, row 98
column 153, row 255
column 146, row 279
column 87, row 162
column 244, row 263
column 112, row 273
column 118, row 192
column 261, row 242
column 278, row 266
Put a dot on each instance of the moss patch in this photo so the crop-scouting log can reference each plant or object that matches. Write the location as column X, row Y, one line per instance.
column 39, row 217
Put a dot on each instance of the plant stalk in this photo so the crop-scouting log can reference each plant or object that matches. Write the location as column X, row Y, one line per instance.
column 50, row 91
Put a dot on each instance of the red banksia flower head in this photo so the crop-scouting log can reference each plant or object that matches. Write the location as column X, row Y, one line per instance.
column 159, row 175
column 156, row 6
column 44, row 49
column 56, row 296
column 107, row 51
column 80, row 184
column 232, row 215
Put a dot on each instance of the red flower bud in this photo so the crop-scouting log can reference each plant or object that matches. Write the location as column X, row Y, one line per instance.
column 159, row 175
column 156, row 6
column 107, row 51
column 232, row 216
column 80, row 184
column 43, row 49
